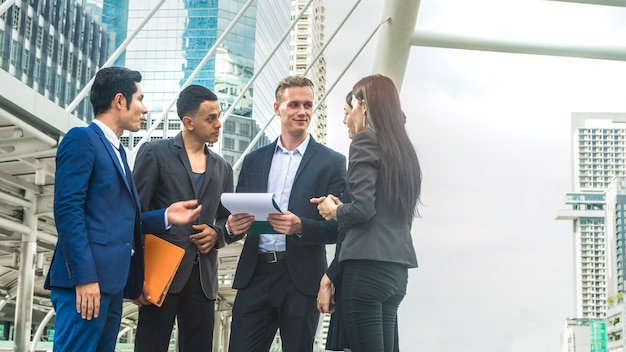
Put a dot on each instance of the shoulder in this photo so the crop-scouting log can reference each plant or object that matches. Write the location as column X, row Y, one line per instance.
column 364, row 145
column 260, row 152
column 78, row 132
column 365, row 139
column 157, row 146
column 219, row 160
column 326, row 151
column 78, row 135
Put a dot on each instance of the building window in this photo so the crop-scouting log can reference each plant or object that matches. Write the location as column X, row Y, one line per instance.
column 50, row 46
column 48, row 78
column 244, row 129
column 243, row 145
column 229, row 126
column 13, row 54
column 39, row 36
column 16, row 17
column 27, row 30
column 229, row 143
column 25, row 61
column 37, row 68
column 173, row 125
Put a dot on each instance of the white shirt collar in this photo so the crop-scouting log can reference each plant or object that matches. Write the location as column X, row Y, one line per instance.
column 301, row 148
column 108, row 133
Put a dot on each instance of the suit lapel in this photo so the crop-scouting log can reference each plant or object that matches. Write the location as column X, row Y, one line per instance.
column 310, row 151
column 210, row 165
column 109, row 148
column 184, row 158
column 267, row 164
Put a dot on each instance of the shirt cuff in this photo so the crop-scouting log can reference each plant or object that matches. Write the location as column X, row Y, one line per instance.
column 167, row 224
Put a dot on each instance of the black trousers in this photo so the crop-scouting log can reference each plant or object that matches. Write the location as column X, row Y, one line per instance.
column 371, row 294
column 196, row 317
column 270, row 302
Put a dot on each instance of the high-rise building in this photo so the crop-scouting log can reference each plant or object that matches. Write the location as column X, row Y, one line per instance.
column 173, row 44
column 584, row 335
column 114, row 15
column 616, row 248
column 307, row 40
column 598, row 156
column 54, row 47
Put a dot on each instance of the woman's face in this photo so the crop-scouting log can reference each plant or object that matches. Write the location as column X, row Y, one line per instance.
column 355, row 117
column 347, row 109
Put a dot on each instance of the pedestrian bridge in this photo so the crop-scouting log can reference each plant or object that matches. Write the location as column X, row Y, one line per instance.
column 31, row 127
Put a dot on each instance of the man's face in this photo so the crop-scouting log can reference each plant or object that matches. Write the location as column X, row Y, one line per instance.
column 295, row 110
column 206, row 124
column 135, row 115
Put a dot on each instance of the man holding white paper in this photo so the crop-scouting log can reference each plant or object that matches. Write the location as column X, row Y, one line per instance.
column 278, row 274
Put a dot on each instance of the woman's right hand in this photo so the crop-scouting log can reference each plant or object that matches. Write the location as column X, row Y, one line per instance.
column 327, row 206
column 326, row 296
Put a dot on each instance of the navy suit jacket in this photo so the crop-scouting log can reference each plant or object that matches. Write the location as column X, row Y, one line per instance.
column 98, row 218
column 322, row 171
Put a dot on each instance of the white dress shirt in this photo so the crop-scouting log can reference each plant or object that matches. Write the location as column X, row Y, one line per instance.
column 282, row 173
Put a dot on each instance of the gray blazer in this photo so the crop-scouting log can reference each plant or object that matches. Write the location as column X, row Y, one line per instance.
column 374, row 230
column 163, row 175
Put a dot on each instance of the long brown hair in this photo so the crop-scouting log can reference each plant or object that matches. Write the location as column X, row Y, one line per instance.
column 400, row 171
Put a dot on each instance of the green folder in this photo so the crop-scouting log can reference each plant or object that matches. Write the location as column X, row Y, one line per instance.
column 264, row 227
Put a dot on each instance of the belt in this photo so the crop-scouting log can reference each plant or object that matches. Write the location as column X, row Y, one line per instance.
column 271, row 257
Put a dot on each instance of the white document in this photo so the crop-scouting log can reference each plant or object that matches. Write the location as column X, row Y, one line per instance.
column 257, row 204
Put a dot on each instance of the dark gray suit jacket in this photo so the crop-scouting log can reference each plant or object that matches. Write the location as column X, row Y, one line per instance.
column 163, row 175
column 322, row 171
column 374, row 230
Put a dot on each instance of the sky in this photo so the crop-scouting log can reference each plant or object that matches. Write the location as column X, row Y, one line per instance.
column 492, row 133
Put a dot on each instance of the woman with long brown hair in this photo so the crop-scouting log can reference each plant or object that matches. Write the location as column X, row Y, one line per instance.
column 383, row 189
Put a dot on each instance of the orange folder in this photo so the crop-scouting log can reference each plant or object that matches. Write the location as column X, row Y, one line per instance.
column 161, row 260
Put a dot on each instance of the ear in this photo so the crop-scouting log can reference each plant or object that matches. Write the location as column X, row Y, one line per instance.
column 276, row 106
column 187, row 123
column 119, row 101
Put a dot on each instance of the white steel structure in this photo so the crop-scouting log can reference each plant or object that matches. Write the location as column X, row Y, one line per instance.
column 32, row 126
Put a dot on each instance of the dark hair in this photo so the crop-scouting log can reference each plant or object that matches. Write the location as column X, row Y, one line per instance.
column 108, row 82
column 191, row 97
column 400, row 171
column 349, row 99
column 291, row 81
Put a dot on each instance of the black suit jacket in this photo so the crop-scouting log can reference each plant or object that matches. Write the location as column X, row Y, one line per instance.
column 374, row 229
column 322, row 171
column 163, row 175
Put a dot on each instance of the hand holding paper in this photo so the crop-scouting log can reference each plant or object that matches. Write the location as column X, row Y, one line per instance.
column 259, row 205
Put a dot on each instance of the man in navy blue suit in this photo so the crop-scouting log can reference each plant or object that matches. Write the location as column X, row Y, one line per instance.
column 98, row 260
column 278, row 275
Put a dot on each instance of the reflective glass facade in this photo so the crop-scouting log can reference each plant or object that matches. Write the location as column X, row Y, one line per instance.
column 174, row 43
column 53, row 46
column 113, row 14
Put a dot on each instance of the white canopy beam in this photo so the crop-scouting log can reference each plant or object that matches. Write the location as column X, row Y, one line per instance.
column 392, row 52
column 456, row 41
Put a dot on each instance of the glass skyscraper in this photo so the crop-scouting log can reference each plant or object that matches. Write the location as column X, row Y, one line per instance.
column 54, row 47
column 114, row 15
column 173, row 44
